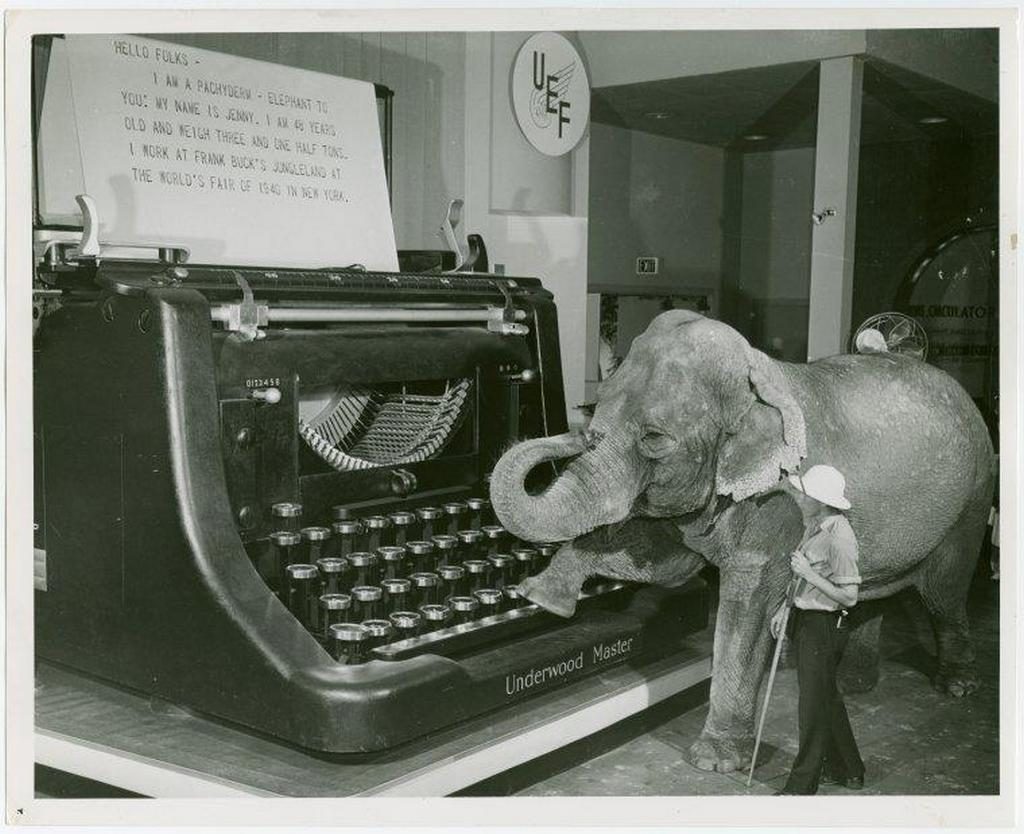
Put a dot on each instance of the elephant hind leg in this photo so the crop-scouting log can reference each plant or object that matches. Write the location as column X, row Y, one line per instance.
column 858, row 667
column 944, row 583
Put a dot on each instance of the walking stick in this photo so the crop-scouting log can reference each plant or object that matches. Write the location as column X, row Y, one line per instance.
column 790, row 596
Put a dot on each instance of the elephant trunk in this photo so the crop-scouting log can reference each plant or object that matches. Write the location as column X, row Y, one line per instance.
column 593, row 490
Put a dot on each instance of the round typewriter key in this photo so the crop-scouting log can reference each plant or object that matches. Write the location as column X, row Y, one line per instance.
column 479, row 510
column 366, row 602
column 394, row 561
column 316, row 539
column 347, row 535
column 397, row 594
column 490, row 601
column 347, row 642
column 495, row 537
column 464, row 609
column 544, row 553
column 334, row 608
column 284, row 544
column 425, row 587
column 435, row 616
column 287, row 515
column 365, row 568
column 526, row 561
column 380, row 633
column 404, row 524
column 421, row 554
column 378, row 531
column 478, row 574
column 501, row 573
column 332, row 573
column 457, row 513
column 406, row 624
column 303, row 582
column 428, row 517
column 452, row 580
column 444, row 549
column 513, row 599
column 469, row 544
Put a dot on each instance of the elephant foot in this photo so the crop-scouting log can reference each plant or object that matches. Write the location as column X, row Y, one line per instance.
column 722, row 753
column 957, row 684
column 549, row 595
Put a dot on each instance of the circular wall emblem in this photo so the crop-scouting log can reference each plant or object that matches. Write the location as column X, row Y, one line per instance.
column 550, row 93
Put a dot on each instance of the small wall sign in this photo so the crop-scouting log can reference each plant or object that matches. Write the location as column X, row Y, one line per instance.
column 550, row 93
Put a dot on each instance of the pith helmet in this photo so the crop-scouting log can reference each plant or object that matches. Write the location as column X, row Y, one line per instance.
column 823, row 483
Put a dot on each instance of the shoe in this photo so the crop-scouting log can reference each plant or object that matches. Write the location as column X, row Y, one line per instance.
column 854, row 783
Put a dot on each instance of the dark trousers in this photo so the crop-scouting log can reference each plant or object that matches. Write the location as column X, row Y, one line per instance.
column 826, row 740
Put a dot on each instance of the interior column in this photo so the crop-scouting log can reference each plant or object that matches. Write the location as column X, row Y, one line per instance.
column 835, row 190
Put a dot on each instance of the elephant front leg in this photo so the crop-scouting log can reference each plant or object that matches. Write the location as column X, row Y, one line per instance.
column 741, row 650
column 639, row 550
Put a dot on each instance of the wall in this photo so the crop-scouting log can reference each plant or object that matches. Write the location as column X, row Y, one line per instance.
column 652, row 195
column 775, row 249
column 425, row 70
column 534, row 237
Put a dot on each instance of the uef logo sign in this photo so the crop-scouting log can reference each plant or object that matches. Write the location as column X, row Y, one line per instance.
column 550, row 93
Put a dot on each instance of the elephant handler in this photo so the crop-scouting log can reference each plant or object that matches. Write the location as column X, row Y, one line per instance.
column 825, row 567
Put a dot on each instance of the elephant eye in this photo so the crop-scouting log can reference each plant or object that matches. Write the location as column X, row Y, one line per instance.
column 656, row 444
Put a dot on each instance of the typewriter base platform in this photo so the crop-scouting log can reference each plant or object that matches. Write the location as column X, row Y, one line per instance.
column 91, row 729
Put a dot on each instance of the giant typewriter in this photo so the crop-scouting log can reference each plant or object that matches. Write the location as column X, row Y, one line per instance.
column 262, row 494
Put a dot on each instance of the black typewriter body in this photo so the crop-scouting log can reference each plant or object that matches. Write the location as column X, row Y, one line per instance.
column 169, row 402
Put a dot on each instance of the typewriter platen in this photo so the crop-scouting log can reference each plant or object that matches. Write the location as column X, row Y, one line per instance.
column 261, row 494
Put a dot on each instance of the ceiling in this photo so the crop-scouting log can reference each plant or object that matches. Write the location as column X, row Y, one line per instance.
column 779, row 104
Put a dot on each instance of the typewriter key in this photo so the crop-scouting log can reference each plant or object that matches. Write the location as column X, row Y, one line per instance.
column 490, row 601
column 365, row 568
column 378, row 532
column 287, row 515
column 444, row 549
column 452, row 580
column 495, row 536
column 347, row 642
column 544, row 553
column 284, row 544
column 366, row 602
column 397, row 594
column 435, row 616
column 526, row 560
column 457, row 512
column 501, row 573
column 469, row 544
column 334, row 608
column 303, row 585
column 425, row 587
column 316, row 539
column 406, row 624
column 404, row 524
column 479, row 512
column 478, row 574
column 428, row 517
column 332, row 573
column 394, row 561
column 513, row 599
column 421, row 554
column 347, row 536
column 380, row 633
column 464, row 609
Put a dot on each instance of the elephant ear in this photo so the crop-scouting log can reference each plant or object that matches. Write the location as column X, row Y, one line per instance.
column 765, row 436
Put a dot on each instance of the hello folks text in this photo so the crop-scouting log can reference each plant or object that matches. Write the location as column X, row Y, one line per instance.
column 542, row 82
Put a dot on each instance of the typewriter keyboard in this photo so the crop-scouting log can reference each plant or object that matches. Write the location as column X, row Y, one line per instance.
column 440, row 579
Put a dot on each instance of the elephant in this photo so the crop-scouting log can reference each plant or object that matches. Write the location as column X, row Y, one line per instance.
column 684, row 462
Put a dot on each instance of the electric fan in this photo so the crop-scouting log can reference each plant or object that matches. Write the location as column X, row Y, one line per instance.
column 893, row 333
